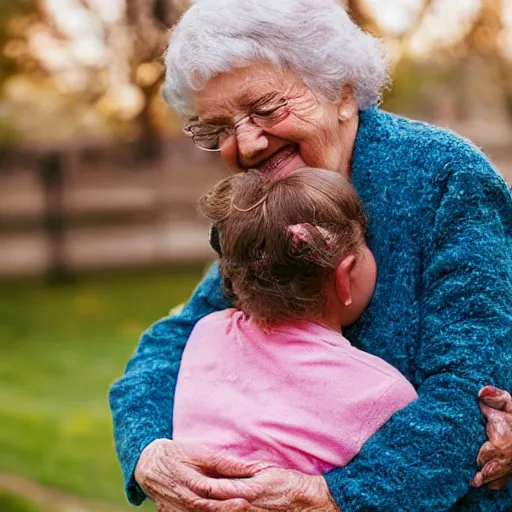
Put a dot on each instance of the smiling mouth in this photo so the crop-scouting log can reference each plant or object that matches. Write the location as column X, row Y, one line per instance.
column 278, row 160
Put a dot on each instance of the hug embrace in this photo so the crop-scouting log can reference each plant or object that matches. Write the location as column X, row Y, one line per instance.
column 352, row 348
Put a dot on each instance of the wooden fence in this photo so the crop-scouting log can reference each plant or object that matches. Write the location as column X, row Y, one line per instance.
column 92, row 206
column 105, row 206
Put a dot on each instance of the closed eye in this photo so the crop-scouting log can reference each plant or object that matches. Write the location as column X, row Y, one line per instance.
column 266, row 112
column 269, row 111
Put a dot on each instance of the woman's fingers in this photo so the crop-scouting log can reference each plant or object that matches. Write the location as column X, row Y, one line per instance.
column 477, row 480
column 233, row 505
column 499, row 483
column 496, row 398
column 496, row 470
column 487, row 452
column 161, row 507
column 223, row 488
column 495, row 467
column 495, row 456
column 499, row 425
column 225, row 466
column 222, row 477
column 177, row 476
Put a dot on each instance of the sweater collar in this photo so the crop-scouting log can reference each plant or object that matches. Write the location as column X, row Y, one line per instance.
column 372, row 131
column 368, row 133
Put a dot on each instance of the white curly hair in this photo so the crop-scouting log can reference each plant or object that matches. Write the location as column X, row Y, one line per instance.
column 316, row 38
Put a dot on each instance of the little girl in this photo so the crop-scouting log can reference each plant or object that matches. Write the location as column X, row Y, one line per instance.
column 274, row 380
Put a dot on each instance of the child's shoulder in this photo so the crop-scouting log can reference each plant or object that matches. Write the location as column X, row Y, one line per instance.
column 371, row 364
column 389, row 386
column 213, row 329
column 214, row 319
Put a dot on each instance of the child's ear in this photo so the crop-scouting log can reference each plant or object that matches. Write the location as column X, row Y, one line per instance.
column 343, row 280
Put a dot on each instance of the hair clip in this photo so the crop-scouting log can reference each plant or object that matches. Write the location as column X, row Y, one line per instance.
column 301, row 234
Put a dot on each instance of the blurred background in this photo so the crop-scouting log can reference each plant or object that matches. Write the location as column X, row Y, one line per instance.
column 98, row 231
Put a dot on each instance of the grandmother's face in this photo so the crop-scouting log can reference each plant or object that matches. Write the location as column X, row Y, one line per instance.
column 275, row 123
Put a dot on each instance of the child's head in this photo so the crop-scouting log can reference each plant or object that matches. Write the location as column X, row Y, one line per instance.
column 293, row 248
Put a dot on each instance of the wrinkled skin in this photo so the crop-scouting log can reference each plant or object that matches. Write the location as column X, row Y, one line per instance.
column 495, row 456
column 176, row 477
column 179, row 478
column 321, row 131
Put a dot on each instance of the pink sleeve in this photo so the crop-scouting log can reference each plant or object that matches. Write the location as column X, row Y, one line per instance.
column 397, row 396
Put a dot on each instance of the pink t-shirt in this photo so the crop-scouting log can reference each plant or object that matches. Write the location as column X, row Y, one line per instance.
column 299, row 397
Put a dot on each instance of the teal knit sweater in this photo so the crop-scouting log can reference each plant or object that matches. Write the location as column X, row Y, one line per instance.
column 441, row 231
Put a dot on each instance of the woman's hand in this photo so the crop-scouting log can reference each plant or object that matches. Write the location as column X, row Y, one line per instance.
column 284, row 490
column 495, row 456
column 179, row 478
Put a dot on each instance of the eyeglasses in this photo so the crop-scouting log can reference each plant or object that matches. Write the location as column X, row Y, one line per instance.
column 210, row 137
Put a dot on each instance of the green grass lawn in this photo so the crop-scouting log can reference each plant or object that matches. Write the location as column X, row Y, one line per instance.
column 11, row 503
column 61, row 347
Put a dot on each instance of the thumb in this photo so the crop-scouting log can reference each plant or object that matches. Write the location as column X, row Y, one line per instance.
column 242, row 490
column 222, row 465
column 497, row 427
column 200, row 480
column 496, row 398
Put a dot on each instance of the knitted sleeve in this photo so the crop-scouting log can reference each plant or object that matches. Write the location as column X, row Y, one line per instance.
column 424, row 457
column 142, row 399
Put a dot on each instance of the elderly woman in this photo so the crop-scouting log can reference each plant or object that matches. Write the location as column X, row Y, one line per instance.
column 277, row 85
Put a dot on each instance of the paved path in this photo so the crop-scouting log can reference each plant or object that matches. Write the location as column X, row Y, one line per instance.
column 53, row 500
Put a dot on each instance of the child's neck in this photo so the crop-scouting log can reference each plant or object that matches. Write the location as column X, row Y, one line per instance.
column 330, row 321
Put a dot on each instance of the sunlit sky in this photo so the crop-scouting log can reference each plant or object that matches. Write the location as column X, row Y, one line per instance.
column 83, row 23
column 397, row 15
column 82, row 27
column 445, row 20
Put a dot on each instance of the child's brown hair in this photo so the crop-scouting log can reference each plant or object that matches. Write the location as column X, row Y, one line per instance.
column 282, row 239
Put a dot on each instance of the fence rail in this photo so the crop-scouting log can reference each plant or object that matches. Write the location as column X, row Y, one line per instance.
column 100, row 205
column 92, row 206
